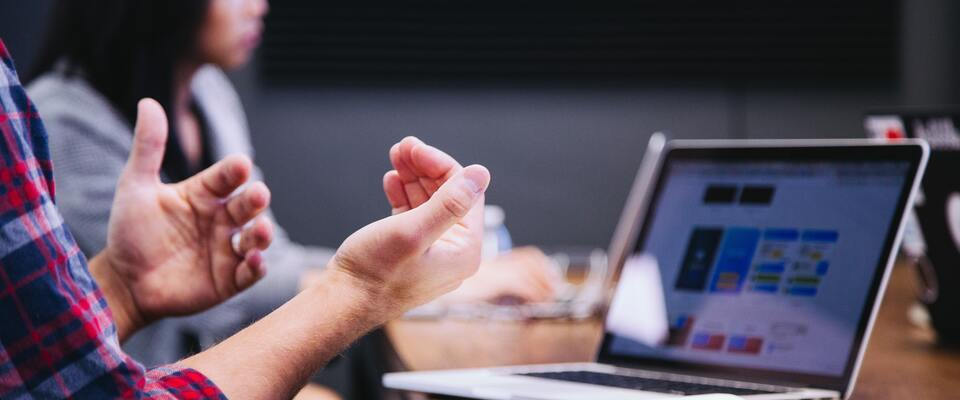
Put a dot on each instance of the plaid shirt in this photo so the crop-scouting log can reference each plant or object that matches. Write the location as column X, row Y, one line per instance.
column 57, row 336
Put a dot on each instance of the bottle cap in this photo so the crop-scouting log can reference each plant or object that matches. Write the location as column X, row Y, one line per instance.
column 493, row 216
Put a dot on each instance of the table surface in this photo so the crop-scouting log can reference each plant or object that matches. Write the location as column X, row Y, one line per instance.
column 902, row 360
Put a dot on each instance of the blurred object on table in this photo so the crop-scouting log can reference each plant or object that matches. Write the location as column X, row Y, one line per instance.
column 580, row 293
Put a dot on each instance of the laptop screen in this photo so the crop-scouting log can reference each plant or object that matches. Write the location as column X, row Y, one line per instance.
column 766, row 265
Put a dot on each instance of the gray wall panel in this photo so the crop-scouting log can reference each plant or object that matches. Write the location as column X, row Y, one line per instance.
column 562, row 159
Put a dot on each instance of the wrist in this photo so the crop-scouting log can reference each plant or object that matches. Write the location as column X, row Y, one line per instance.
column 363, row 300
column 120, row 300
column 288, row 345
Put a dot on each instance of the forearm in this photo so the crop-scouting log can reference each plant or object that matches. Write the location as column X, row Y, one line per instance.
column 274, row 357
column 118, row 296
column 287, row 263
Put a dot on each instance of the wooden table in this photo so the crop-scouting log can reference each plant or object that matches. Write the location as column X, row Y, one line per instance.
column 902, row 361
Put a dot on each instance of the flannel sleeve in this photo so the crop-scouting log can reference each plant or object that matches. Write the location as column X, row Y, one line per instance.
column 57, row 335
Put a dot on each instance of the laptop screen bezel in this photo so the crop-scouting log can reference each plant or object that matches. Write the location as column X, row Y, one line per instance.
column 913, row 153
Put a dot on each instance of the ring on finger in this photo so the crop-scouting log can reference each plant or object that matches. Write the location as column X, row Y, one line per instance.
column 235, row 244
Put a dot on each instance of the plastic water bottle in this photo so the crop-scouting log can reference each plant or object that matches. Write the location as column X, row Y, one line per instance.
column 496, row 237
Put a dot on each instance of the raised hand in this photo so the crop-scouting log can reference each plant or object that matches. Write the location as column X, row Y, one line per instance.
column 419, row 170
column 169, row 248
column 432, row 242
column 423, row 251
column 524, row 274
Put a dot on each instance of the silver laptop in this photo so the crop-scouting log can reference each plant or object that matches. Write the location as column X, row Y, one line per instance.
column 772, row 258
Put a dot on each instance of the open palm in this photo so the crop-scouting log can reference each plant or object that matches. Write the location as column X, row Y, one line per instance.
column 171, row 243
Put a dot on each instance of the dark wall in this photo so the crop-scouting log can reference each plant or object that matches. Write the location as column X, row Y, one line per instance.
column 562, row 156
column 21, row 25
column 930, row 58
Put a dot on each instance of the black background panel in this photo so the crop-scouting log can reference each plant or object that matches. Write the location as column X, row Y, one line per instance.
column 747, row 40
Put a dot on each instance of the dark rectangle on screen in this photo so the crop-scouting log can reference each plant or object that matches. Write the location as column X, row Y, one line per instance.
column 720, row 194
column 757, row 195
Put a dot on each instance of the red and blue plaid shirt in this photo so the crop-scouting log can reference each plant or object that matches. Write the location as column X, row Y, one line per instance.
column 57, row 336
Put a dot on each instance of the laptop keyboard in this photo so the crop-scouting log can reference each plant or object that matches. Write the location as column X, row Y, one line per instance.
column 638, row 383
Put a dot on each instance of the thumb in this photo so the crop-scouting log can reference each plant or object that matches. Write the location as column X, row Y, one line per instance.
column 449, row 205
column 149, row 140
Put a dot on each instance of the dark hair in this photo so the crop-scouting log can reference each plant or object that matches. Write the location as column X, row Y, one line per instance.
column 127, row 50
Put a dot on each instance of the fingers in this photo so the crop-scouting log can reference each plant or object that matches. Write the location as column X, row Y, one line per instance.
column 538, row 265
column 250, row 270
column 421, row 168
column 249, row 203
column 253, row 241
column 523, row 272
column 405, row 171
column 396, row 196
column 526, row 293
column 415, row 159
column 256, row 237
column 535, row 268
column 473, row 222
column 149, row 141
column 431, row 162
column 541, row 288
column 400, row 158
column 416, row 194
column 221, row 179
column 451, row 204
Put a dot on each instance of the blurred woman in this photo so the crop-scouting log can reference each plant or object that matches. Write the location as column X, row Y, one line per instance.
column 98, row 58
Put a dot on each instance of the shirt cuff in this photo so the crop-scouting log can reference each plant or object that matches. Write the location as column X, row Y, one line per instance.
column 181, row 383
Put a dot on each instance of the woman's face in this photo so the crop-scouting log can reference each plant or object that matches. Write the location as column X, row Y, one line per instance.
column 231, row 31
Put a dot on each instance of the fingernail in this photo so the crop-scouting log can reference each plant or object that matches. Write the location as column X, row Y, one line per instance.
column 476, row 178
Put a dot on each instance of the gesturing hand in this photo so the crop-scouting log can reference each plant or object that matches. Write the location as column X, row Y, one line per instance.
column 419, row 170
column 169, row 248
column 431, row 243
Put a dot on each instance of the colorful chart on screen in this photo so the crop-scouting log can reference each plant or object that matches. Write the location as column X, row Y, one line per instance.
column 767, row 264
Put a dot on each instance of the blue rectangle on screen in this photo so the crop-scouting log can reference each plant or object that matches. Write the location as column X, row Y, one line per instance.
column 783, row 235
column 772, row 268
column 803, row 291
column 701, row 339
column 765, row 288
column 822, row 267
column 736, row 256
column 820, row 236
column 737, row 342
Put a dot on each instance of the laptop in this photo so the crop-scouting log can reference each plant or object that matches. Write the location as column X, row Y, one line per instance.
column 772, row 257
